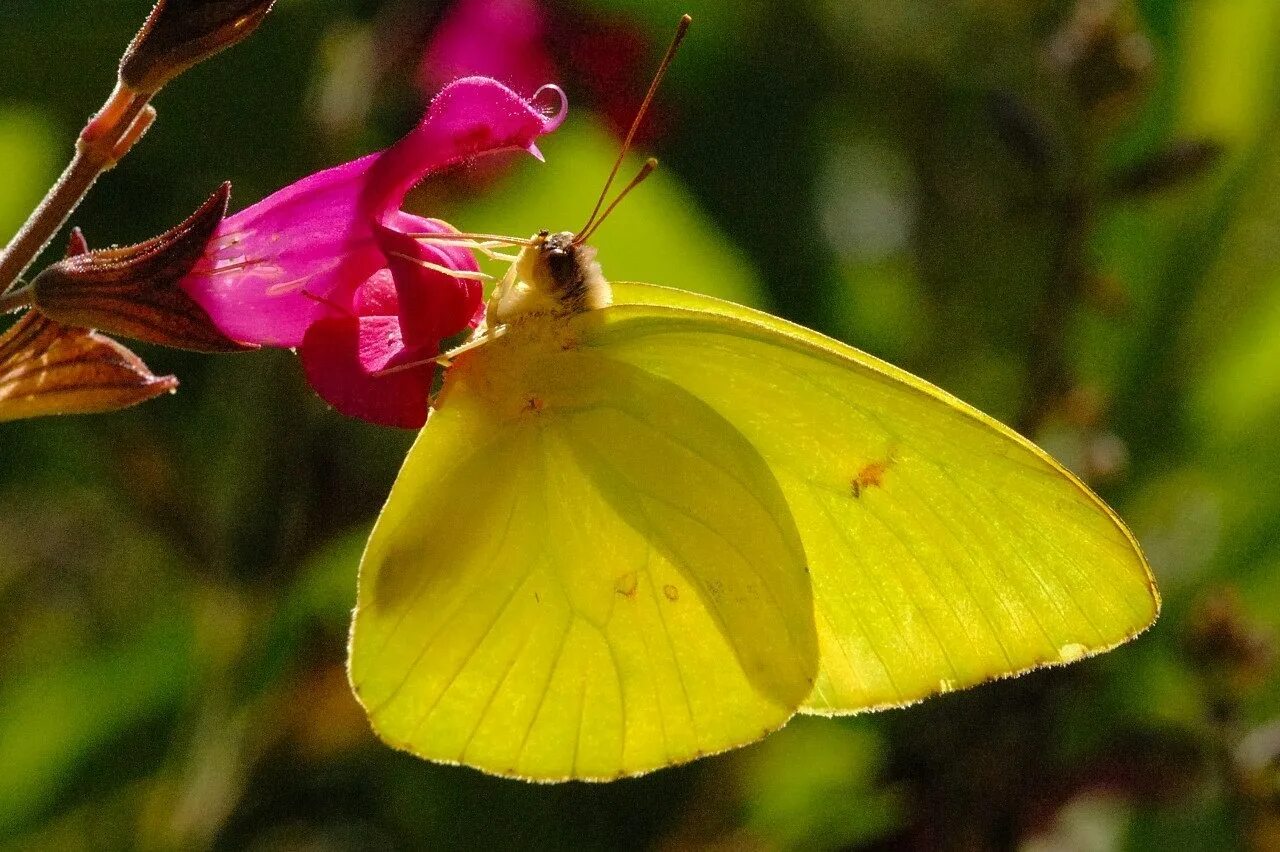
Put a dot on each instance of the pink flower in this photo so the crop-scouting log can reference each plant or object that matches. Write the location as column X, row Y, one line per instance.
column 332, row 265
column 606, row 55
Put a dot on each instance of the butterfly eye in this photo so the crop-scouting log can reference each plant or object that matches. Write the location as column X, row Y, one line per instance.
column 563, row 266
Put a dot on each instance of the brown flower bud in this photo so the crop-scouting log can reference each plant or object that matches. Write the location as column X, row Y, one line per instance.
column 1104, row 55
column 48, row 368
column 133, row 291
column 1227, row 643
column 181, row 33
column 76, row 243
column 1183, row 161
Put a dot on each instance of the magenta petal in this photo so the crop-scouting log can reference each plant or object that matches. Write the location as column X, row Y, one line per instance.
column 274, row 268
column 433, row 304
column 333, row 266
column 409, row 225
column 377, row 296
column 470, row 116
column 341, row 356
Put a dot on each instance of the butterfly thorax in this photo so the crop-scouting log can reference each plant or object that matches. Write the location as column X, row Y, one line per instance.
column 523, row 359
column 553, row 275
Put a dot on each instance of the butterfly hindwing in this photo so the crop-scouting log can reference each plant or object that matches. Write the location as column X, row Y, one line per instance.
column 945, row 550
column 584, row 573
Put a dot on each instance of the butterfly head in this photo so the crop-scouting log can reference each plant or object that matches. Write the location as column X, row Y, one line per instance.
column 559, row 265
column 556, row 274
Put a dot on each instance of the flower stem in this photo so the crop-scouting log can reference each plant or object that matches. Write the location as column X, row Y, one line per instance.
column 104, row 140
column 1049, row 368
column 15, row 300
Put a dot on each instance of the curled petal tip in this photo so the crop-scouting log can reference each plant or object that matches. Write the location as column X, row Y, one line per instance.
column 562, row 106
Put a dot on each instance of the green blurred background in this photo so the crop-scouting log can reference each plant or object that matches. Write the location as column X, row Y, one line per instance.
column 1063, row 212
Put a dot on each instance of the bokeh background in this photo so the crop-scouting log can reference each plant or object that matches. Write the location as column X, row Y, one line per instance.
column 1064, row 212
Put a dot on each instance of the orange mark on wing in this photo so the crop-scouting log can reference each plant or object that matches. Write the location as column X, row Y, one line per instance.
column 626, row 584
column 671, row 592
column 870, row 476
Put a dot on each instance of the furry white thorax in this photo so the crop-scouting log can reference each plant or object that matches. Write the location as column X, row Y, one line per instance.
column 553, row 276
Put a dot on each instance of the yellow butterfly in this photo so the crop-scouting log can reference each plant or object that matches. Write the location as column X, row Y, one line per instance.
column 643, row 525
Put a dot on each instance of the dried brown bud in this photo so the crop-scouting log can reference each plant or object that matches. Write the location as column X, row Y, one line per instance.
column 1227, row 642
column 1103, row 54
column 181, row 33
column 133, row 291
column 76, row 243
column 1182, row 161
column 48, row 368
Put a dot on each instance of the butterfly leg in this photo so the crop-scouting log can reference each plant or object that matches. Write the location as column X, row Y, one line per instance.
column 482, row 336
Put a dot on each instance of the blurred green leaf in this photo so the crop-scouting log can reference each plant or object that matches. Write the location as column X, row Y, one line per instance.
column 28, row 149
column 1230, row 51
column 814, row 785
column 53, row 719
column 1233, row 339
column 320, row 599
column 1203, row 824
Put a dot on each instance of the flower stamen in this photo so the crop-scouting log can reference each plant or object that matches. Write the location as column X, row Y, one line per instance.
column 284, row 288
column 464, row 274
column 327, row 303
column 496, row 239
column 446, row 358
column 233, row 266
column 226, row 241
column 485, row 248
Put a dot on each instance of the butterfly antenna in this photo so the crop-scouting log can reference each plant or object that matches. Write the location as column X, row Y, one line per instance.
column 681, row 29
column 645, row 170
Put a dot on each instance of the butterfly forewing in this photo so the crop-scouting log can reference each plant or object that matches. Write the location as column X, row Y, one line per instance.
column 944, row 549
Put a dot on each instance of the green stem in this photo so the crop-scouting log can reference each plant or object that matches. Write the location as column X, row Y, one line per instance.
column 1049, row 368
